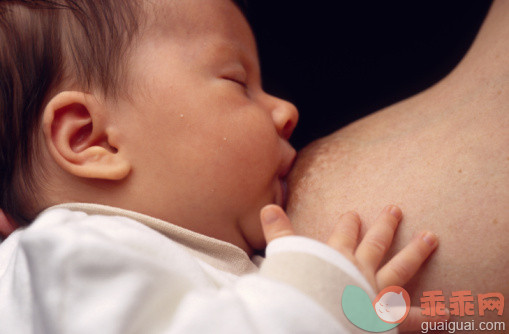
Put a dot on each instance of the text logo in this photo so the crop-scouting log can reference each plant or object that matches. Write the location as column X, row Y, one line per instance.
column 387, row 311
column 461, row 303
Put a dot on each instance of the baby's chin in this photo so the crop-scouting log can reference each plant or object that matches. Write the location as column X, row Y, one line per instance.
column 252, row 234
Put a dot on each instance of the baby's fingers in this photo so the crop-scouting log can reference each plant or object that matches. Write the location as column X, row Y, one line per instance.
column 346, row 232
column 405, row 264
column 275, row 223
column 378, row 239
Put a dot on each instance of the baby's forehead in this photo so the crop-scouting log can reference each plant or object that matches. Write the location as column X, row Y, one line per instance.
column 188, row 17
column 218, row 26
column 183, row 15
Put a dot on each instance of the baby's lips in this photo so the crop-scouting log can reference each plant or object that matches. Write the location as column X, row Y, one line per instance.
column 285, row 168
column 287, row 165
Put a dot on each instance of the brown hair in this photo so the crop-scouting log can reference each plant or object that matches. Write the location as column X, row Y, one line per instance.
column 42, row 43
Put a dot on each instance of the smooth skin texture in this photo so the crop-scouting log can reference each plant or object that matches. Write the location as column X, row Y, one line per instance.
column 197, row 142
column 7, row 226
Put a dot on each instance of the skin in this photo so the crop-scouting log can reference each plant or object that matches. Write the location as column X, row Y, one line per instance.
column 198, row 142
column 442, row 156
column 366, row 253
column 7, row 226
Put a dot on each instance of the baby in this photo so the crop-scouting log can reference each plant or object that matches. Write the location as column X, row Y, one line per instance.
column 138, row 136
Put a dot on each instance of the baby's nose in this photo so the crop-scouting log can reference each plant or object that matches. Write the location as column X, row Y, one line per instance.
column 285, row 116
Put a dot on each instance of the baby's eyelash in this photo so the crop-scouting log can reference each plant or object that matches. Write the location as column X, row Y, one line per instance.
column 240, row 82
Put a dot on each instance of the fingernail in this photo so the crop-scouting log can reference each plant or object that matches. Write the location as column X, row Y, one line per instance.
column 429, row 238
column 393, row 210
column 270, row 215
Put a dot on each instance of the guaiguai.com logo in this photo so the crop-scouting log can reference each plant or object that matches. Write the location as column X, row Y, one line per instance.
column 388, row 310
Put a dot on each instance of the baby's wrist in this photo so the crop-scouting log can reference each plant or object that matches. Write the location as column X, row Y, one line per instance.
column 314, row 269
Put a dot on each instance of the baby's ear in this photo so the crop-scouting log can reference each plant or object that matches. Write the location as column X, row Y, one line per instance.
column 79, row 137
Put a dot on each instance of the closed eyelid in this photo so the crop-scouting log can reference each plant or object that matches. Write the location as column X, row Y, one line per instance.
column 241, row 73
column 234, row 57
column 239, row 83
column 241, row 77
column 237, row 73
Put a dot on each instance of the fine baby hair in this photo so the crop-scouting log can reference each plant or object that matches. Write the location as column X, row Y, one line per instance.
column 44, row 47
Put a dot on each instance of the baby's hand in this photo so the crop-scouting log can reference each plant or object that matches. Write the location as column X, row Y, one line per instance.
column 369, row 252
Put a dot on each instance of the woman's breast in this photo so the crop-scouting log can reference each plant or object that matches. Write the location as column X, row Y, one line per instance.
column 449, row 176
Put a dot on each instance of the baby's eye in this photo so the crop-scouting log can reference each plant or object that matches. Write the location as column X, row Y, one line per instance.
column 238, row 81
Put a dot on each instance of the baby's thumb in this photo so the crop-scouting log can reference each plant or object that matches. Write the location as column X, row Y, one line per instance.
column 275, row 223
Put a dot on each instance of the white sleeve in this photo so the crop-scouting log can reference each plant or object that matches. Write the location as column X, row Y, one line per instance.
column 82, row 282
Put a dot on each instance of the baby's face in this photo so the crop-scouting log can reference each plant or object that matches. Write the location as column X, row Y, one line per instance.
column 208, row 146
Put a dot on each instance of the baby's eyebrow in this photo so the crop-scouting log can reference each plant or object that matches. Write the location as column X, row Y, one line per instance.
column 226, row 49
column 232, row 51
